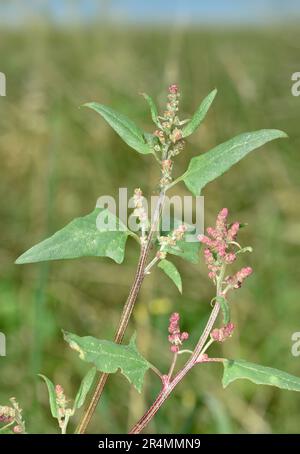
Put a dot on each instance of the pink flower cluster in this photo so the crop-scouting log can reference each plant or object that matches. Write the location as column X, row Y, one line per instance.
column 175, row 336
column 60, row 396
column 237, row 279
column 173, row 89
column 219, row 249
column 176, row 235
column 221, row 334
column 7, row 414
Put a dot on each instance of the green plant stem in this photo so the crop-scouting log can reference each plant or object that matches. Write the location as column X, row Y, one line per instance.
column 206, row 347
column 64, row 425
column 185, row 351
column 127, row 310
column 7, row 425
column 156, row 371
column 173, row 364
column 151, row 264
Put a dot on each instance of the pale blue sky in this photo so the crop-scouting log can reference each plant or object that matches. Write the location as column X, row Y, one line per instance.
column 157, row 11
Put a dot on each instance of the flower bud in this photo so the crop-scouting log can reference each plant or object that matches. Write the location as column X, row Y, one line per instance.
column 18, row 429
column 176, row 135
column 176, row 338
column 167, row 164
column 161, row 255
column 221, row 334
column 173, row 89
column 233, row 231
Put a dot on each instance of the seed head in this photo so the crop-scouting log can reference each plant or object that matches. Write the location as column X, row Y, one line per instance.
column 221, row 334
column 176, row 338
column 173, row 89
column 220, row 243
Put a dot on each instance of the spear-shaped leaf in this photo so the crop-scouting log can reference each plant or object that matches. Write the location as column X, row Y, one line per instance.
column 261, row 375
column 52, row 395
column 84, row 388
column 199, row 115
column 170, row 269
column 153, row 108
column 125, row 128
column 108, row 357
column 99, row 234
column 208, row 166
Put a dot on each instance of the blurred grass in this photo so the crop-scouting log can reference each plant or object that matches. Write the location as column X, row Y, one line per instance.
column 57, row 159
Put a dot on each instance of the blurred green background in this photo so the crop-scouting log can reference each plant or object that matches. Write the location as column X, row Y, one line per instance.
column 56, row 159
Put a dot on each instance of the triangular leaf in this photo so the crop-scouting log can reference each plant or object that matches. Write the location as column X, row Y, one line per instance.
column 82, row 238
column 84, row 388
column 208, row 166
column 52, row 395
column 170, row 269
column 199, row 115
column 261, row 375
column 108, row 357
column 125, row 128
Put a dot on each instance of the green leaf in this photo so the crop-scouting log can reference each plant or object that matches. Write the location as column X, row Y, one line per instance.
column 199, row 115
column 82, row 238
column 84, row 388
column 152, row 141
column 208, row 166
column 188, row 248
column 52, row 395
column 244, row 249
column 6, row 431
column 108, row 357
column 153, row 108
column 224, row 308
column 125, row 128
column 261, row 375
column 170, row 269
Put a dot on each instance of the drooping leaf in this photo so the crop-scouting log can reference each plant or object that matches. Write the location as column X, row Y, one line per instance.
column 125, row 128
column 208, row 166
column 83, row 237
column 261, row 375
column 84, row 388
column 153, row 108
column 224, row 305
column 52, row 395
column 170, row 269
column 199, row 115
column 108, row 357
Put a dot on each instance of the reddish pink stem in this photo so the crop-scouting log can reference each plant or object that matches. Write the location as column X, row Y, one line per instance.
column 170, row 385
